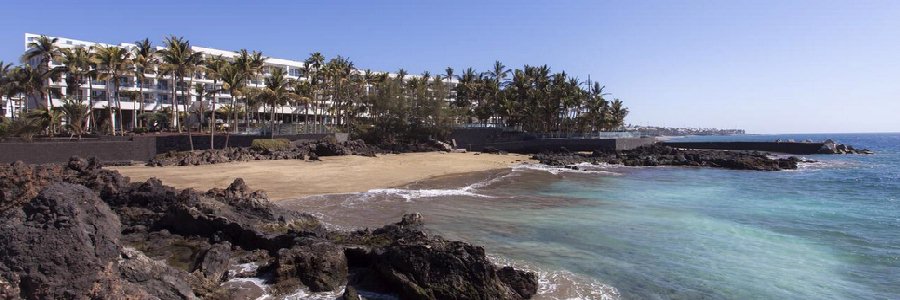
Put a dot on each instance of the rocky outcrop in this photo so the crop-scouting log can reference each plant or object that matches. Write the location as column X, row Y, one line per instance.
column 658, row 155
column 78, row 231
column 297, row 150
column 321, row 266
column 830, row 147
column 61, row 244
column 404, row 259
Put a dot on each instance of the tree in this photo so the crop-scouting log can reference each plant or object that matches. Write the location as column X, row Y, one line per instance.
column 47, row 51
column 177, row 60
column 597, row 107
column 618, row 113
column 144, row 63
column 215, row 67
column 114, row 62
column 277, row 92
column 9, row 87
column 76, row 113
column 314, row 65
column 233, row 81
column 32, row 81
column 250, row 64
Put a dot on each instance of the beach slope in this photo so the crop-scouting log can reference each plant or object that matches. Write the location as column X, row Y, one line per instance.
column 284, row 179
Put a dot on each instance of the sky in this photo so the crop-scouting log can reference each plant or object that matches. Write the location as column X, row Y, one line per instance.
column 764, row 66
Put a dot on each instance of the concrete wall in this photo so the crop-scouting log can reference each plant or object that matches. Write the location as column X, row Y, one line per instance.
column 55, row 152
column 476, row 139
column 783, row 147
column 120, row 149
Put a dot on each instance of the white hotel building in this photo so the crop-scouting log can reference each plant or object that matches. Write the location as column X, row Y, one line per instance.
column 157, row 89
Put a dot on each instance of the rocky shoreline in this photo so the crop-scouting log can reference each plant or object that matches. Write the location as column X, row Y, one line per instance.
column 79, row 231
column 302, row 150
column 659, row 155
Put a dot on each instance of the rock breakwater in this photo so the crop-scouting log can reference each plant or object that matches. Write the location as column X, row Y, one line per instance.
column 659, row 155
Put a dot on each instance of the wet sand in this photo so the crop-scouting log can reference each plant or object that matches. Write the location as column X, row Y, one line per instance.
column 285, row 179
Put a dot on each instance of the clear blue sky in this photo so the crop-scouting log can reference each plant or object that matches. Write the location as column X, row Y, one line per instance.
column 766, row 66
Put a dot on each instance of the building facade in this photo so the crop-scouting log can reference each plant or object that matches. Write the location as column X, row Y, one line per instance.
column 157, row 89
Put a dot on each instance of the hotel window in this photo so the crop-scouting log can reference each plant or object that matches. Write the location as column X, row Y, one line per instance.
column 162, row 98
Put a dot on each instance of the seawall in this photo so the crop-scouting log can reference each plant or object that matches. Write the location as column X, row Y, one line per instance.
column 779, row 147
column 120, row 149
column 477, row 139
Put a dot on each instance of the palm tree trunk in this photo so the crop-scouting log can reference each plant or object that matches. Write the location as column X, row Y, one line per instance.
column 188, row 98
column 306, row 118
column 174, row 121
column 212, row 117
column 140, row 90
column 91, row 122
column 234, row 111
column 272, row 119
column 119, row 106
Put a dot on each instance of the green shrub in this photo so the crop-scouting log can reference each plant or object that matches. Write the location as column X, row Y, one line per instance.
column 270, row 144
column 4, row 126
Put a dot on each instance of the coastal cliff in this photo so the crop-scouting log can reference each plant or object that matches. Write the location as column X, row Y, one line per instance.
column 79, row 231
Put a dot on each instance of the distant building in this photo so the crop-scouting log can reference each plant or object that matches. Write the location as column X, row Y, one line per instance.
column 157, row 89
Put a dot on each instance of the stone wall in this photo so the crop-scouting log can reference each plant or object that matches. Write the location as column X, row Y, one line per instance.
column 780, row 147
column 121, row 149
column 476, row 139
column 57, row 152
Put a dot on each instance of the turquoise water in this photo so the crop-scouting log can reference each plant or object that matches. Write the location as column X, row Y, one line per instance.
column 830, row 230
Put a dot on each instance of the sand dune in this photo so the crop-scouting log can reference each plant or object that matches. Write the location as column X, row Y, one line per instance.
column 282, row 179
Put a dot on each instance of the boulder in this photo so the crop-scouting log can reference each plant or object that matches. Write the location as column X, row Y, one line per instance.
column 319, row 266
column 212, row 266
column 62, row 244
column 402, row 259
column 155, row 277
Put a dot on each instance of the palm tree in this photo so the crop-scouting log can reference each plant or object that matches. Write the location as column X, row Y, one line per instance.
column 8, row 85
column 215, row 67
column 31, row 81
column 76, row 113
column 144, row 63
column 250, row 65
column 78, row 63
column 46, row 49
column 597, row 106
column 114, row 62
column 304, row 93
column 313, row 65
column 233, row 81
column 277, row 92
column 618, row 113
column 177, row 60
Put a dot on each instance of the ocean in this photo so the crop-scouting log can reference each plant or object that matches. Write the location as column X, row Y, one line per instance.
column 830, row 230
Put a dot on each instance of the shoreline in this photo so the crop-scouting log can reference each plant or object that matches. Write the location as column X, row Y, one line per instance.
column 291, row 179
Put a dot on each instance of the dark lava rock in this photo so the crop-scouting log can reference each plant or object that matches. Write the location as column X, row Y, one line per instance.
column 212, row 266
column 63, row 244
column 659, row 155
column 59, row 244
column 403, row 259
column 61, row 237
column 155, row 277
column 298, row 150
column 349, row 294
column 320, row 266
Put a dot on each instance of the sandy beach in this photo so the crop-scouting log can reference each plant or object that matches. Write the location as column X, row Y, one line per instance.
column 284, row 179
